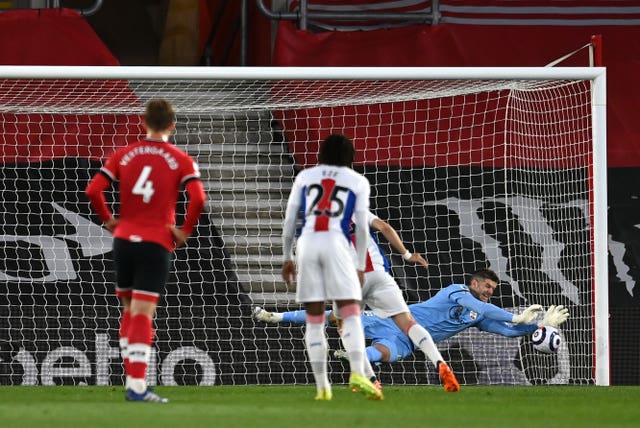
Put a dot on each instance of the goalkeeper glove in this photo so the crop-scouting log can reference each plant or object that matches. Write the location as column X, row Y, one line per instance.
column 528, row 315
column 555, row 316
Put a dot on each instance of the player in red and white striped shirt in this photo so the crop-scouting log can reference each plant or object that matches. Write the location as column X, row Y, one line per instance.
column 151, row 174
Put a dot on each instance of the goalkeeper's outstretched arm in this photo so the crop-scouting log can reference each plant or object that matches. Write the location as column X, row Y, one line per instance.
column 554, row 317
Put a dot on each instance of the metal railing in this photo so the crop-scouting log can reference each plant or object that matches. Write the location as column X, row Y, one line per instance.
column 54, row 4
column 303, row 15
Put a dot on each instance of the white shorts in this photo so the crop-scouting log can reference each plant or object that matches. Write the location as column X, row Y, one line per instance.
column 382, row 294
column 326, row 270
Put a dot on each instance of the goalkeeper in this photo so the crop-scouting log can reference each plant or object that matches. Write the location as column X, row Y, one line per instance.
column 452, row 310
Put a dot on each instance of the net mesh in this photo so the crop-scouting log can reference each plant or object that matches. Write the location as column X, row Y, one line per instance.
column 471, row 173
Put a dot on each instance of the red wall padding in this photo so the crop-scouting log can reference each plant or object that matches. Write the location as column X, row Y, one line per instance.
column 476, row 45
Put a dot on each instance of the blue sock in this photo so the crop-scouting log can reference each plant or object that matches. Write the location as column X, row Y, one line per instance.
column 300, row 317
column 296, row 317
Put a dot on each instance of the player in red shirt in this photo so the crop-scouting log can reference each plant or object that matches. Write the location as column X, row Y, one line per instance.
column 150, row 173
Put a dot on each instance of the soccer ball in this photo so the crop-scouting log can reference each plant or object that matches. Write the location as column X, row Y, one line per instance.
column 546, row 339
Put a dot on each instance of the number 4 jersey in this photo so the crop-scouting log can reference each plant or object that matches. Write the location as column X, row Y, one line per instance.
column 150, row 175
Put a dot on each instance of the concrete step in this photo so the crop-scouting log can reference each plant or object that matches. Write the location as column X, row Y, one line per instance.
column 236, row 210
column 254, row 245
column 269, row 172
column 211, row 136
column 250, row 226
column 275, row 300
column 263, row 282
column 231, row 148
column 261, row 261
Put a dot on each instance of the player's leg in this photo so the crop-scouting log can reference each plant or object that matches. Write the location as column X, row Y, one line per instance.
column 123, row 332
column 343, row 287
column 311, row 291
column 123, row 264
column 152, row 263
column 384, row 297
column 293, row 317
column 422, row 339
column 354, row 344
column 317, row 347
column 419, row 336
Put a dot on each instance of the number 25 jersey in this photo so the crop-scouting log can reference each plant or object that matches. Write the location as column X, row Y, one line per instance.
column 328, row 196
column 150, row 175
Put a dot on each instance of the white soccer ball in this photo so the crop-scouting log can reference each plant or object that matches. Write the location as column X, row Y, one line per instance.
column 546, row 339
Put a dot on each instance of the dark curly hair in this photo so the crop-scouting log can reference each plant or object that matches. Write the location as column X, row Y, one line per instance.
column 337, row 150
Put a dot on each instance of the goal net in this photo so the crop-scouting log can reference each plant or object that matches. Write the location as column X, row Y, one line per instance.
column 498, row 168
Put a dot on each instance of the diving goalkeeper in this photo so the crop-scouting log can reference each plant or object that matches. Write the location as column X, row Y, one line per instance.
column 452, row 310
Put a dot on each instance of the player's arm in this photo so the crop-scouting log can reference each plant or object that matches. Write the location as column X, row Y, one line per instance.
column 394, row 240
column 195, row 205
column 362, row 235
column 506, row 329
column 362, row 227
column 288, row 231
column 554, row 316
column 464, row 298
column 95, row 193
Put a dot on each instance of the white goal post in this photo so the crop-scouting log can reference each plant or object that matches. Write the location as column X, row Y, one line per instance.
column 474, row 167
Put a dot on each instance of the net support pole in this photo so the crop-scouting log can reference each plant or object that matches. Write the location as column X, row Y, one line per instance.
column 599, row 105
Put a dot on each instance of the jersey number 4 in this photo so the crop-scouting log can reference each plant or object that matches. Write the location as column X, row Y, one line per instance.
column 144, row 186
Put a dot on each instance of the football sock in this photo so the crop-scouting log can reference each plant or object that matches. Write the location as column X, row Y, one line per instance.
column 316, row 344
column 368, row 370
column 423, row 340
column 353, row 337
column 296, row 317
column 137, row 385
column 139, row 348
column 124, row 339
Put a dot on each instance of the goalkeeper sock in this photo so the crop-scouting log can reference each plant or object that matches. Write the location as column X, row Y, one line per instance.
column 139, row 348
column 353, row 337
column 316, row 344
column 423, row 340
column 124, row 339
column 296, row 317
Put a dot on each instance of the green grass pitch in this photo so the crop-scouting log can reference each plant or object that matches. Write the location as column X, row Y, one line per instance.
column 294, row 406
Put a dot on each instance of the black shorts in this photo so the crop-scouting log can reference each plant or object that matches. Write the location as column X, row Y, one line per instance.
column 142, row 266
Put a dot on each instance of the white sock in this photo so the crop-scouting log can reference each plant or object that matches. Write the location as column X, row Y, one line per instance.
column 316, row 343
column 353, row 341
column 423, row 340
column 124, row 353
column 368, row 369
column 137, row 385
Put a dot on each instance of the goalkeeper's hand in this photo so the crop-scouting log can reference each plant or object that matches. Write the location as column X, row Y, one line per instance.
column 555, row 316
column 528, row 316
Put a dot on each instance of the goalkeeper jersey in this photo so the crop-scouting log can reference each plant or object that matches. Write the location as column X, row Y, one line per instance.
column 452, row 310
